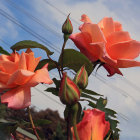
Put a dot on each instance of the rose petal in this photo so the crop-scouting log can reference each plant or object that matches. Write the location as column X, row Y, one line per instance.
column 31, row 61
column 118, row 26
column 107, row 26
column 124, row 50
column 100, row 127
column 4, row 57
column 85, row 18
column 112, row 70
column 22, row 62
column 117, row 37
column 17, row 98
column 94, row 31
column 41, row 76
column 82, row 41
column 97, row 50
column 4, row 77
column 8, row 66
column 20, row 77
column 127, row 63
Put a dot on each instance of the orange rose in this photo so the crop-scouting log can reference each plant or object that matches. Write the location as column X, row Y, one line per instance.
column 17, row 76
column 93, row 125
column 108, row 42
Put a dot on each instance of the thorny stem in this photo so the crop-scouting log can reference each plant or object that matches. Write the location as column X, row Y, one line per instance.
column 33, row 126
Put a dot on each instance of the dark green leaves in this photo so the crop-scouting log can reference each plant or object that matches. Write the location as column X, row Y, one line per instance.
column 30, row 44
column 2, row 51
column 75, row 60
column 51, row 65
column 54, row 90
column 90, row 92
column 6, row 128
column 41, row 122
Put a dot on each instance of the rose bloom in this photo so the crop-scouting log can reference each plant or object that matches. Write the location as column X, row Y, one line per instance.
column 93, row 125
column 107, row 42
column 17, row 76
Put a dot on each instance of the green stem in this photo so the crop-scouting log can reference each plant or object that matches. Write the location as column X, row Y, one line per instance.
column 33, row 126
column 62, row 51
column 74, row 110
column 68, row 128
column 75, row 131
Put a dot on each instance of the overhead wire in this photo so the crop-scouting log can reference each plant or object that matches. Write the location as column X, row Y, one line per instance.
column 30, row 31
column 34, row 34
column 60, row 11
column 23, row 28
column 35, row 19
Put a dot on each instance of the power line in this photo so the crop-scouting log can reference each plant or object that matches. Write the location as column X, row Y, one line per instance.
column 30, row 31
column 47, row 2
column 48, row 97
column 135, row 87
column 121, row 91
column 35, row 19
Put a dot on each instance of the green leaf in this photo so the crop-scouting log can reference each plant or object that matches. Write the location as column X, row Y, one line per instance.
column 53, row 90
column 110, row 112
column 45, row 61
column 56, row 82
column 108, row 138
column 30, row 44
column 6, row 128
column 2, row 51
column 91, row 104
column 91, row 92
column 41, row 122
column 75, row 60
column 88, row 96
column 113, row 124
column 101, row 103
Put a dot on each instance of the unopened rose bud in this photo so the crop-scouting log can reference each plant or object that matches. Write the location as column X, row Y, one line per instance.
column 81, row 78
column 67, row 27
column 69, row 92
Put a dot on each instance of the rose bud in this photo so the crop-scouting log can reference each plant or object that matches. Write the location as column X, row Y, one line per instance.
column 67, row 26
column 81, row 78
column 69, row 92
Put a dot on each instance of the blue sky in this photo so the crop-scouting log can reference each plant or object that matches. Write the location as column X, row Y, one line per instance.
column 125, row 11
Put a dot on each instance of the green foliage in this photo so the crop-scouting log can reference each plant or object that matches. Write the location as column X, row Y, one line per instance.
column 88, row 96
column 2, row 110
column 41, row 122
column 87, row 91
column 30, row 44
column 6, row 128
column 54, row 90
column 2, row 51
column 45, row 61
column 59, row 134
column 74, row 60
